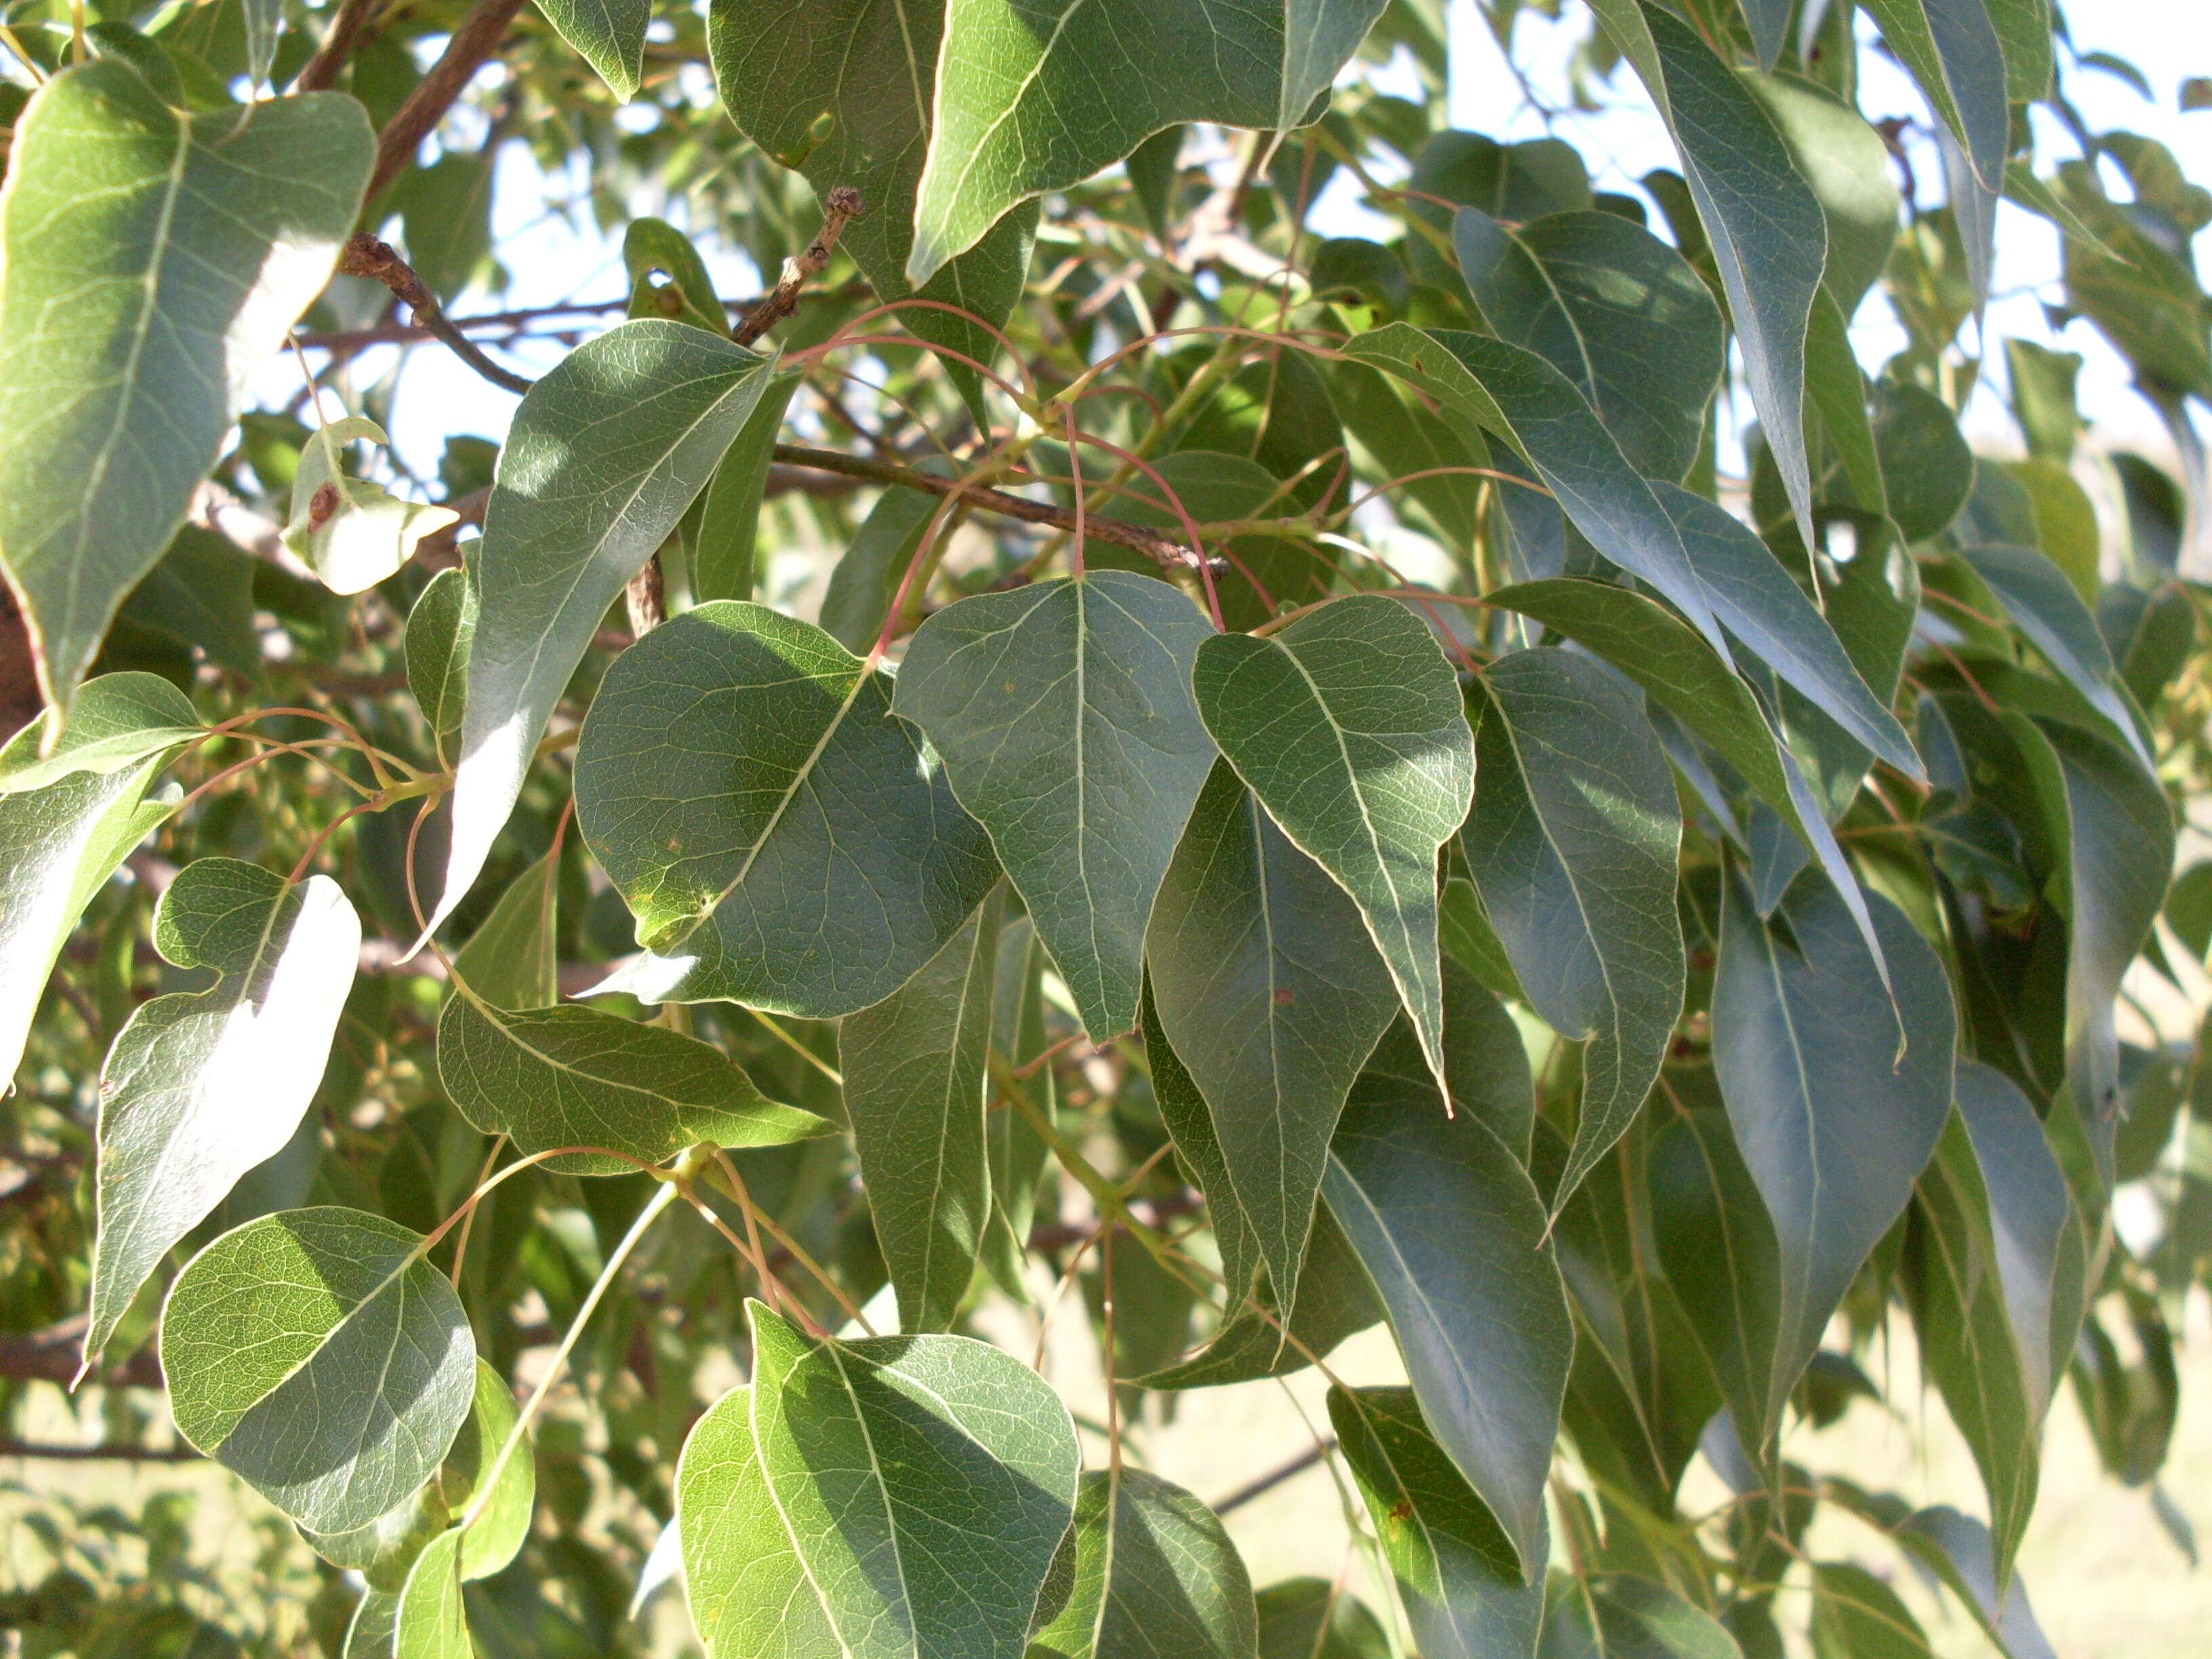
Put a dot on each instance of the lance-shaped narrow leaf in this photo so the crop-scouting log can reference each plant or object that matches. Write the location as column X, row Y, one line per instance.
column 1835, row 1123
column 118, row 721
column 317, row 1355
column 782, row 840
column 1347, row 725
column 899, row 1497
column 1198, row 1147
column 844, row 90
column 724, row 559
column 1154, row 1575
column 1952, row 50
column 2044, row 607
column 1063, row 711
column 1572, row 842
column 581, row 1077
column 1038, row 97
column 439, row 631
column 202, row 1085
column 1453, row 1233
column 1271, row 996
column 513, row 959
column 2112, row 836
column 59, row 845
column 151, row 261
column 353, row 532
column 603, row 457
column 1513, row 392
column 1620, row 1616
column 1461, row 1582
column 1856, row 1616
column 1763, row 224
column 915, row 1069
column 1616, row 311
column 1017, row 1154
column 611, row 35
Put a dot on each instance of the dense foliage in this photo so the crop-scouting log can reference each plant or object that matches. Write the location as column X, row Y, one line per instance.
column 1491, row 780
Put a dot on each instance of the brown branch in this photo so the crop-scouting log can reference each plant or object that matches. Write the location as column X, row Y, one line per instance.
column 101, row 1453
column 344, row 342
column 365, row 256
column 478, row 37
column 843, row 206
column 321, row 73
column 1274, row 1478
column 51, row 1354
column 1161, row 549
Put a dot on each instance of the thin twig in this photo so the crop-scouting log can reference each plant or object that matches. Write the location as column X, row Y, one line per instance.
column 365, row 256
column 1161, row 549
column 321, row 73
column 101, row 1454
column 1274, row 1478
column 843, row 206
column 477, row 37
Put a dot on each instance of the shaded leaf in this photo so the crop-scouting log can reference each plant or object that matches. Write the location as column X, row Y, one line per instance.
column 153, row 261
column 118, row 721
column 1064, row 714
column 1016, row 1152
column 781, row 840
column 1314, row 1619
column 1620, row 1616
column 725, row 563
column 2044, row 607
column 513, row 959
column 202, row 1085
column 317, row 1354
column 1155, row 1577
column 430, row 1621
column 439, row 631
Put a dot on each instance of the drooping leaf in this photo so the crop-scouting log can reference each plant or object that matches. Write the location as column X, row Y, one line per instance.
column 915, row 1073
column 896, row 1497
column 440, row 629
column 1457, row 1572
column 846, row 92
column 1835, row 1123
column 1016, row 1153
column 202, row 1085
column 1405, row 437
column 1271, row 994
column 1155, row 1576
column 1622, row 1616
column 1954, row 54
column 1347, row 725
column 1453, row 1233
column 118, row 722
column 611, row 35
column 59, row 845
column 1314, row 1618
column 1616, row 311
column 1847, row 167
column 1042, row 98
column 353, row 532
column 1064, row 714
column 1572, row 842
column 581, row 1077
column 152, row 261
column 865, row 581
column 315, row 1354
column 781, row 839
column 1856, row 1616
column 604, row 456
column 725, row 557
column 2044, row 607
column 513, row 959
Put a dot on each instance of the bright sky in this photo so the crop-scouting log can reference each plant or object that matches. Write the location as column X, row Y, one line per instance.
column 553, row 260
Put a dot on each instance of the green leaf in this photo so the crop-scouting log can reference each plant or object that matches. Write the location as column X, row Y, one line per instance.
column 118, row 722
column 375, row 1627
column 1952, row 51
column 1518, row 182
column 1036, row 101
column 59, row 845
column 1620, row 1616
column 724, row 564
column 431, row 1622
column 1189, row 1123
column 1517, row 395
column 845, row 91
column 1838, row 389
column 896, row 1497
column 1064, row 714
column 2044, row 607
column 513, row 959
column 1856, row 1616
column 742, row 781
column 353, row 532
column 652, row 245
column 1347, row 725
column 1155, row 1576
column 1927, row 470
column 1616, row 311
column 153, row 260
column 611, row 35
column 1835, row 1123
column 605, row 454
column 203, row 1085
column 581, row 1077
column 202, row 592
column 1457, row 1574
column 915, row 1080
column 1269, row 992
column 867, row 580
column 1314, row 1618
column 1572, row 842
column 317, row 1355
column 1452, row 1234
column 439, row 631
column 1016, row 1153
column 1395, row 425
column 1847, row 167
